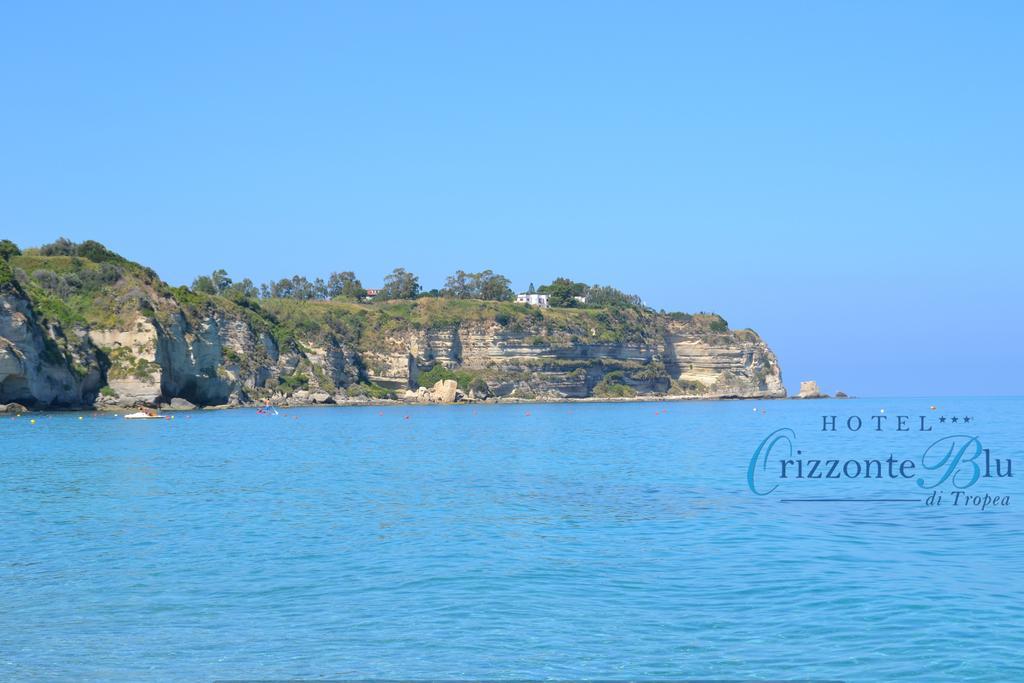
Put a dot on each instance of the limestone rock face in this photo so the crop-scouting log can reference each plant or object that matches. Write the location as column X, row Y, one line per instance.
column 159, row 345
column 809, row 389
column 33, row 371
column 133, row 373
column 731, row 364
column 685, row 360
column 445, row 391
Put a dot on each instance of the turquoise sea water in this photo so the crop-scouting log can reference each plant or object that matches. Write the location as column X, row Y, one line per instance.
column 522, row 541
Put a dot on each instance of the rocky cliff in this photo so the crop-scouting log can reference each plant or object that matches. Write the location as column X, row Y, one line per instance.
column 103, row 331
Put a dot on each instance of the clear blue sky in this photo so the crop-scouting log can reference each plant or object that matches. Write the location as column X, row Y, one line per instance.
column 846, row 178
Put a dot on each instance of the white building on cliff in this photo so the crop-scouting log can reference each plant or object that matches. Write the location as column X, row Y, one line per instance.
column 540, row 300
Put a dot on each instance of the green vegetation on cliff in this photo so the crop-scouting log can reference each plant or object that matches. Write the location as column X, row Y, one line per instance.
column 6, row 275
column 114, row 320
column 88, row 285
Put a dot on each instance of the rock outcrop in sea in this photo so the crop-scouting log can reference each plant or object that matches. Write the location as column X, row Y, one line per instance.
column 125, row 338
column 809, row 389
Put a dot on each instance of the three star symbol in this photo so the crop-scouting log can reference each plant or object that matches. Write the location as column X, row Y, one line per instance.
column 954, row 420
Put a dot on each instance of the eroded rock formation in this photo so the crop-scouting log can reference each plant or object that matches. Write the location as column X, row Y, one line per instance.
column 140, row 341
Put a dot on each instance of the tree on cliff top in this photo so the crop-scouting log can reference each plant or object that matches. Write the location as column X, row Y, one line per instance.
column 562, row 292
column 8, row 282
column 345, row 285
column 62, row 246
column 400, row 284
column 295, row 287
column 609, row 297
column 218, row 282
column 8, row 249
column 495, row 287
column 486, row 285
column 89, row 249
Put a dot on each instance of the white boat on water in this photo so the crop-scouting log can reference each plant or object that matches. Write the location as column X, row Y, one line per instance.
column 142, row 415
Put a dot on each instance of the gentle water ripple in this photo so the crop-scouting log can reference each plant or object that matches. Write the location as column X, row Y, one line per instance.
column 577, row 541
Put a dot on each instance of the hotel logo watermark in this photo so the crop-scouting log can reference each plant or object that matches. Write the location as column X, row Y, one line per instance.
column 942, row 463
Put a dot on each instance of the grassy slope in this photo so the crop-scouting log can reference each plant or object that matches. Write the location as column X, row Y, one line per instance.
column 371, row 323
column 137, row 290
